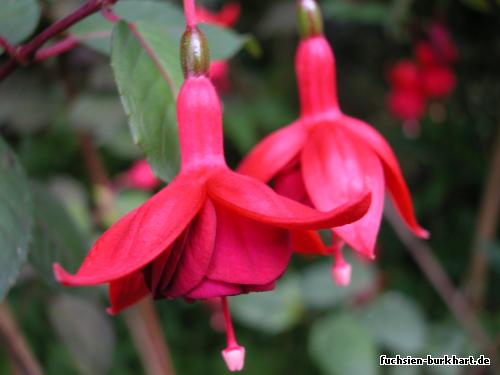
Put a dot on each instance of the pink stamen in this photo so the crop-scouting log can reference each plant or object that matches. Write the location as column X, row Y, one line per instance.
column 190, row 13
column 234, row 355
column 341, row 272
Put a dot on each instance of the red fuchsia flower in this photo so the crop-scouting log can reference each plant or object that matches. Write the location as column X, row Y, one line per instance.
column 326, row 157
column 140, row 176
column 437, row 81
column 406, row 104
column 404, row 75
column 405, row 101
column 211, row 232
column 226, row 17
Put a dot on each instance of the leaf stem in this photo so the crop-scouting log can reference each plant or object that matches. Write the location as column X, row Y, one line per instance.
column 15, row 343
column 25, row 54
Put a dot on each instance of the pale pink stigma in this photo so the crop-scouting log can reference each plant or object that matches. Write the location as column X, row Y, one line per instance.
column 234, row 355
column 341, row 272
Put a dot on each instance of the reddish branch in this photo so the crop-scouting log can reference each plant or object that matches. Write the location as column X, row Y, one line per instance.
column 25, row 54
column 13, row 341
column 452, row 297
column 487, row 224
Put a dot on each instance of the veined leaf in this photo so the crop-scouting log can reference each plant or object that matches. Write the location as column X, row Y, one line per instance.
column 148, row 74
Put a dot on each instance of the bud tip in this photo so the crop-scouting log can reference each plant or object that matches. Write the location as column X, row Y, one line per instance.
column 341, row 273
column 234, row 358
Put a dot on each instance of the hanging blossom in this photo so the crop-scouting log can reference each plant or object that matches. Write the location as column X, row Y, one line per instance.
column 139, row 176
column 211, row 232
column 429, row 76
column 226, row 17
column 327, row 157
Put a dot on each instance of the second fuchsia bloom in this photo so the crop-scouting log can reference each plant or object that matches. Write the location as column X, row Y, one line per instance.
column 327, row 157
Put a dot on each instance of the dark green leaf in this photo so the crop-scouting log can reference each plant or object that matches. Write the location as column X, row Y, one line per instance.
column 148, row 75
column 366, row 12
column 15, row 218
column 86, row 331
column 56, row 238
column 339, row 345
column 18, row 19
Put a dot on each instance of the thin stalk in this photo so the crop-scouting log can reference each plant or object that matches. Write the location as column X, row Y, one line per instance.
column 487, row 223
column 12, row 339
column 24, row 54
column 437, row 276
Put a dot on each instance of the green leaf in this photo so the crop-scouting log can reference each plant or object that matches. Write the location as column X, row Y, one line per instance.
column 86, row 331
column 95, row 31
column 15, row 218
column 56, row 238
column 396, row 322
column 367, row 12
column 18, row 19
column 339, row 345
column 148, row 75
column 319, row 290
column 271, row 312
column 223, row 43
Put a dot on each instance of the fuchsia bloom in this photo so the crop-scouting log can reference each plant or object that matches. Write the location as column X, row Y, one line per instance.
column 429, row 77
column 226, row 17
column 140, row 176
column 327, row 157
column 211, row 232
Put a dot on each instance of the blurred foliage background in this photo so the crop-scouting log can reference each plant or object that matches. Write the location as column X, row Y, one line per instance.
column 50, row 111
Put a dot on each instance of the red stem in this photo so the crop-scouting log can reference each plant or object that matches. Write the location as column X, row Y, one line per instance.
column 190, row 13
column 231, row 338
column 27, row 52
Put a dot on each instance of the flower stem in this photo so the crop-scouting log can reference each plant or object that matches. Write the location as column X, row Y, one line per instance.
column 231, row 337
column 452, row 297
column 26, row 53
column 487, row 223
column 14, row 342
column 145, row 328
column 190, row 13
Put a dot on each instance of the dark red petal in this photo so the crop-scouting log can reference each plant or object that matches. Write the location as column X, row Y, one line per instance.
column 290, row 184
column 126, row 291
column 197, row 252
column 273, row 153
column 308, row 242
column 258, row 202
column 211, row 289
column 140, row 236
column 394, row 180
column 337, row 169
column 246, row 251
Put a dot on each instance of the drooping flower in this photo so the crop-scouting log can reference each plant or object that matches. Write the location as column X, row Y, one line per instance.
column 140, row 176
column 211, row 232
column 226, row 17
column 326, row 157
